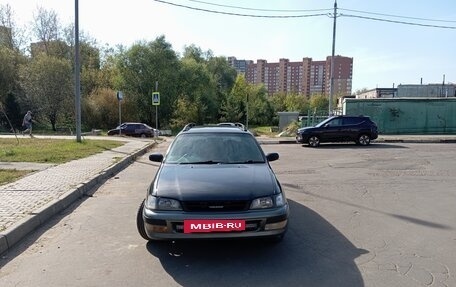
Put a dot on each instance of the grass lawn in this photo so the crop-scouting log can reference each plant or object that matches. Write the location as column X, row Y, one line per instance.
column 264, row 130
column 46, row 151
column 10, row 175
column 51, row 150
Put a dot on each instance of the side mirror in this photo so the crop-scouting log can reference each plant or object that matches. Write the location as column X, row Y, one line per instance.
column 157, row 157
column 272, row 156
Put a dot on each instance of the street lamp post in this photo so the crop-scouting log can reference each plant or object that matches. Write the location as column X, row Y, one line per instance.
column 77, row 81
column 331, row 84
column 247, row 113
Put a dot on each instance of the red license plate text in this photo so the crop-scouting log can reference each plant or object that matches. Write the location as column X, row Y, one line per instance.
column 215, row 225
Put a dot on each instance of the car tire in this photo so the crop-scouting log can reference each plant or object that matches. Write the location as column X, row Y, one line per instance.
column 143, row 136
column 363, row 140
column 314, row 141
column 140, row 222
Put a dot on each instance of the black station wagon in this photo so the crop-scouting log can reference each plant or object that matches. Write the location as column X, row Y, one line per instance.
column 213, row 182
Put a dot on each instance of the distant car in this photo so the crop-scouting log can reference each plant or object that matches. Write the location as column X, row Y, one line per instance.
column 360, row 129
column 213, row 182
column 134, row 130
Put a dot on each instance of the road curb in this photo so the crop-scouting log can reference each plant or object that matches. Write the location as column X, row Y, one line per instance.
column 15, row 233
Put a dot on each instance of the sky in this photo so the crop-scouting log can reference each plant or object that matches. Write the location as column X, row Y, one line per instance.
column 385, row 54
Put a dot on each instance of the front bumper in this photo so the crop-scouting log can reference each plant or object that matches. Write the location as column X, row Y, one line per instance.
column 259, row 223
column 302, row 138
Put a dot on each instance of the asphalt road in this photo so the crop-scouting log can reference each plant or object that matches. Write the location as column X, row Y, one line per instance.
column 381, row 215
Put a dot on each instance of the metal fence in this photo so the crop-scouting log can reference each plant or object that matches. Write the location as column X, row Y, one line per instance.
column 314, row 117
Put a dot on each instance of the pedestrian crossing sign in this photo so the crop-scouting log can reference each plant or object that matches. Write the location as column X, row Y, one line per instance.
column 155, row 98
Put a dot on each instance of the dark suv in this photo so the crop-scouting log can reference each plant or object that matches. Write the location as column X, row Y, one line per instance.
column 360, row 129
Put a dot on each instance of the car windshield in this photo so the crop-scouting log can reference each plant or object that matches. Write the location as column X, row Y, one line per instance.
column 212, row 148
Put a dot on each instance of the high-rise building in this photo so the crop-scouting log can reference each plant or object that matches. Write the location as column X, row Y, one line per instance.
column 239, row 65
column 305, row 78
column 343, row 71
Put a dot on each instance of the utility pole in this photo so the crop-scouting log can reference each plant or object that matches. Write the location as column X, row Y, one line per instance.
column 77, row 80
column 156, row 108
column 331, row 84
column 247, row 112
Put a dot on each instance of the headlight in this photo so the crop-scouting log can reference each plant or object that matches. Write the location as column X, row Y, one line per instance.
column 161, row 203
column 262, row 202
column 280, row 200
column 268, row 202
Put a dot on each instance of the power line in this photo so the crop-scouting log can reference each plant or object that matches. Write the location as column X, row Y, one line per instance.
column 398, row 16
column 398, row 22
column 257, row 9
column 319, row 10
column 310, row 15
column 238, row 14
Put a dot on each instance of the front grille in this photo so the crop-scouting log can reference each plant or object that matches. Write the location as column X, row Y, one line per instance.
column 216, row 206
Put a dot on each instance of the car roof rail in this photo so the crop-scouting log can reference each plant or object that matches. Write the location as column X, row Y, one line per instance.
column 229, row 124
column 188, row 126
column 241, row 126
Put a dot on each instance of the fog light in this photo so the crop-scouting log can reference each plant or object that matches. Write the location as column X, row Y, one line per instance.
column 158, row 228
column 276, row 225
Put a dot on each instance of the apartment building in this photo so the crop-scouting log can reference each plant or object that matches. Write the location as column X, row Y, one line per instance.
column 306, row 77
column 239, row 65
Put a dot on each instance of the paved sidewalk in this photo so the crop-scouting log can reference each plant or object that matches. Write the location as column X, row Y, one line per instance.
column 32, row 200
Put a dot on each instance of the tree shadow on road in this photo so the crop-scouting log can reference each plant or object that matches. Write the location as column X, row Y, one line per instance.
column 313, row 253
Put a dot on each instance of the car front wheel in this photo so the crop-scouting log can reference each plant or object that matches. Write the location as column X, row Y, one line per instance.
column 363, row 140
column 314, row 141
column 140, row 222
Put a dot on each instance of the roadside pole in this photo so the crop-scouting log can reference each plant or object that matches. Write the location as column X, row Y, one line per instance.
column 156, row 103
column 119, row 99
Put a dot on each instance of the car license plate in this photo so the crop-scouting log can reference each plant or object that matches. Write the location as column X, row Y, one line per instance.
column 213, row 225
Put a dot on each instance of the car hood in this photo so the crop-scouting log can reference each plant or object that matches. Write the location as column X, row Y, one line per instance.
column 215, row 182
column 307, row 129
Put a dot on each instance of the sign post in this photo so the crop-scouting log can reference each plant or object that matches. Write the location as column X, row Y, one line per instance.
column 156, row 103
column 119, row 99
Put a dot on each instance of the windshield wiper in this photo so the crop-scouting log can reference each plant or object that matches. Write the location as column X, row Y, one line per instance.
column 203, row 162
column 249, row 161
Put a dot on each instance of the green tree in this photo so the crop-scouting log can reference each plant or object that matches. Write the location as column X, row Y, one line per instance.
column 48, row 83
column 260, row 111
column 319, row 102
column 296, row 103
column 8, row 72
column 233, row 109
column 246, row 102
column 223, row 76
column 101, row 109
column 140, row 67
column 185, row 112
column 278, row 102
column 197, row 86
column 10, row 90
